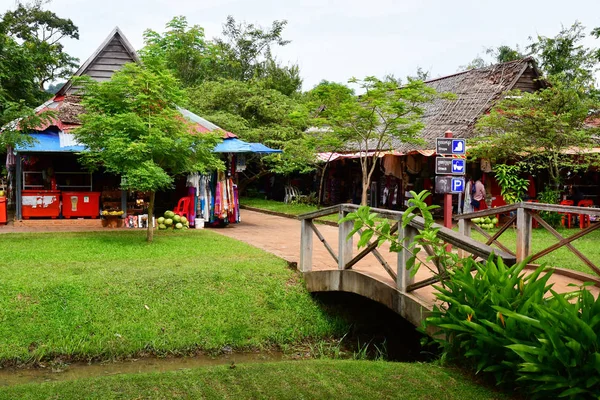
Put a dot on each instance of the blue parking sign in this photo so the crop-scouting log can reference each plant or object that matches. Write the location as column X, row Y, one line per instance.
column 458, row 146
column 458, row 185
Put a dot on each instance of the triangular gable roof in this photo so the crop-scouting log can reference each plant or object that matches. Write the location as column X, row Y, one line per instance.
column 109, row 57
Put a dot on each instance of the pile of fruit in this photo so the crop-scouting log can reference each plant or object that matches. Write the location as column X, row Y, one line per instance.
column 106, row 212
column 485, row 222
column 172, row 221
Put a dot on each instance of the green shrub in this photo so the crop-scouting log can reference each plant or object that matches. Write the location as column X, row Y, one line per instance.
column 513, row 326
column 550, row 196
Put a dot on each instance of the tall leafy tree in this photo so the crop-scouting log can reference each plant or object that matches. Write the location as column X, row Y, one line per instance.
column 41, row 32
column 132, row 127
column 246, row 46
column 371, row 122
column 255, row 114
column 565, row 58
column 185, row 51
column 544, row 130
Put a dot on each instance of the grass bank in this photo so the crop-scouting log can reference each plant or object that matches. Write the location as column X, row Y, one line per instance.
column 284, row 380
column 108, row 294
column 283, row 208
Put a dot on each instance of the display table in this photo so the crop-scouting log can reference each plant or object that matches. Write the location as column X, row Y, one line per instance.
column 40, row 203
column 112, row 221
column 80, row 204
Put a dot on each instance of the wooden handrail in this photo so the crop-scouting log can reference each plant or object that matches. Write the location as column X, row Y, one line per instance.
column 321, row 213
column 448, row 235
column 529, row 206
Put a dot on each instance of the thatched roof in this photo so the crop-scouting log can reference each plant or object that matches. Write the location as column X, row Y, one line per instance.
column 476, row 91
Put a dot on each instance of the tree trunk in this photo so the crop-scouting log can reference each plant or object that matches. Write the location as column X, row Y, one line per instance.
column 365, row 188
column 321, row 183
column 150, row 231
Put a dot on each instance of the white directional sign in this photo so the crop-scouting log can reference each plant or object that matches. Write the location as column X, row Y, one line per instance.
column 450, row 166
column 449, row 146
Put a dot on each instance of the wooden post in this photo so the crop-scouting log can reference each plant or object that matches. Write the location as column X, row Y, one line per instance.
column 464, row 227
column 523, row 234
column 344, row 245
column 306, row 245
column 406, row 235
column 19, row 181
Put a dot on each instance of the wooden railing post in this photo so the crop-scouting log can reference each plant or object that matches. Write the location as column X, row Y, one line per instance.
column 406, row 236
column 523, row 234
column 306, row 245
column 464, row 227
column 344, row 243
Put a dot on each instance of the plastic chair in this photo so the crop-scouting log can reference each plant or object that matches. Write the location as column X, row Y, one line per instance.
column 567, row 215
column 183, row 207
column 584, row 219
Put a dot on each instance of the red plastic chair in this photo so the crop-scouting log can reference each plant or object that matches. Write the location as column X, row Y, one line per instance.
column 584, row 219
column 183, row 207
column 568, row 216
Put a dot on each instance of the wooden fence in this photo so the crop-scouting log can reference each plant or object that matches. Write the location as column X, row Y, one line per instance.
column 523, row 214
column 344, row 259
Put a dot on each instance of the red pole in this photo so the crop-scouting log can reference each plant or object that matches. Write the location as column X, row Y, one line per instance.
column 448, row 204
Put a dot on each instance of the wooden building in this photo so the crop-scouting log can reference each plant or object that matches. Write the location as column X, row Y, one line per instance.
column 48, row 179
column 411, row 167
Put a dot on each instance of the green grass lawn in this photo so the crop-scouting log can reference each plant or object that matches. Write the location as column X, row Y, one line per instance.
column 108, row 294
column 281, row 207
column 562, row 258
column 283, row 380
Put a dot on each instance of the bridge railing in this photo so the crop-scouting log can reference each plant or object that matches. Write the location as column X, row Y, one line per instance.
column 522, row 215
column 345, row 260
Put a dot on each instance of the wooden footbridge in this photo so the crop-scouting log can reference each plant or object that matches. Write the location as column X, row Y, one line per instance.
column 379, row 275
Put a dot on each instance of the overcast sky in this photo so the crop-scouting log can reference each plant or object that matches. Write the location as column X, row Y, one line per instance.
column 338, row 39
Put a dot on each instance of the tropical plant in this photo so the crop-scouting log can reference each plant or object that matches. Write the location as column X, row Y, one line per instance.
column 512, row 325
column 550, row 196
column 512, row 187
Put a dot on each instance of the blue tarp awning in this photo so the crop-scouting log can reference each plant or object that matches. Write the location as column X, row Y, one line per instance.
column 233, row 145
column 51, row 142
column 59, row 142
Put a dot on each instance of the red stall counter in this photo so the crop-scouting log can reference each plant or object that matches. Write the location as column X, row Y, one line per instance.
column 40, row 203
column 80, row 204
column 3, row 218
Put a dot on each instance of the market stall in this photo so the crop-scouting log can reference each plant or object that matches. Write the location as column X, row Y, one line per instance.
column 50, row 182
column 215, row 195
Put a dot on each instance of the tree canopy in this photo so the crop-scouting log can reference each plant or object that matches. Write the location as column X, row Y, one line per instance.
column 132, row 127
column 539, row 129
column 41, row 32
column 30, row 56
column 373, row 121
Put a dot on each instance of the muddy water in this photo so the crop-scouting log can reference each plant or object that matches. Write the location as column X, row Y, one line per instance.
column 11, row 376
